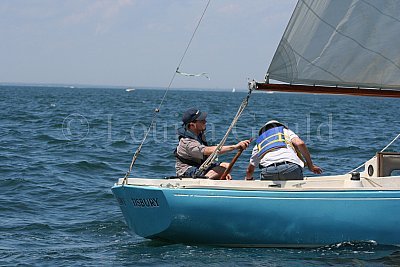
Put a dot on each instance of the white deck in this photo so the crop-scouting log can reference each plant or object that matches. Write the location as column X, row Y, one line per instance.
column 372, row 178
column 338, row 182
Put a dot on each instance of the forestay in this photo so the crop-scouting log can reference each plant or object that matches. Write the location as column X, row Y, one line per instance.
column 351, row 43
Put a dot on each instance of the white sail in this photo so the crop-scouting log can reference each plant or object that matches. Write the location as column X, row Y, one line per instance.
column 341, row 42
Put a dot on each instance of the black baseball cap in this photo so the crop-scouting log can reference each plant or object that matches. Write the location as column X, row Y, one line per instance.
column 193, row 114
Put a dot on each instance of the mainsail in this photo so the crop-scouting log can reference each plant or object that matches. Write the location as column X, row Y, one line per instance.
column 341, row 43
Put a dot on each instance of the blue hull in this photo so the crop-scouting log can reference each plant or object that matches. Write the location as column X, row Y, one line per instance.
column 261, row 218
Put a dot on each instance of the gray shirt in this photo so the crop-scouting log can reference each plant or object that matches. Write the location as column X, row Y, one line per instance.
column 188, row 149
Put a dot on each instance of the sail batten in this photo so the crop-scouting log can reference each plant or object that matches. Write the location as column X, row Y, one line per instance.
column 350, row 43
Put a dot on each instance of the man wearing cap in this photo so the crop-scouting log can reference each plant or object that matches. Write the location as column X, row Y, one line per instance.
column 193, row 149
column 279, row 152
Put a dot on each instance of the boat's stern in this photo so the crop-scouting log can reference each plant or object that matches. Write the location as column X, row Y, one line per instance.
column 145, row 209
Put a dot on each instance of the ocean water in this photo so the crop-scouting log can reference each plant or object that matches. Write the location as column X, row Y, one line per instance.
column 61, row 150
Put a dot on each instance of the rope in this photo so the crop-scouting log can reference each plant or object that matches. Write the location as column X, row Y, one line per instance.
column 214, row 155
column 373, row 183
column 391, row 143
column 157, row 110
column 386, row 147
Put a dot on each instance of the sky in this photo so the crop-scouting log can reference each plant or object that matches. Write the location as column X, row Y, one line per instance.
column 139, row 43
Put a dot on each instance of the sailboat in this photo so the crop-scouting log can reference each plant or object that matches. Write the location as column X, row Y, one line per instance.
column 329, row 47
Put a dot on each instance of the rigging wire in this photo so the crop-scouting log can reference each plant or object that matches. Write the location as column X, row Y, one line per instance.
column 206, row 164
column 157, row 110
column 383, row 149
column 390, row 143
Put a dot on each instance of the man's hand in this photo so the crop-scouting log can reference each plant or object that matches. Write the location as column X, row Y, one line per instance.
column 315, row 169
column 249, row 172
column 243, row 144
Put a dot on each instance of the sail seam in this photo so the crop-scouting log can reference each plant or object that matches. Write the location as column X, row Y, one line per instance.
column 354, row 40
column 310, row 62
column 380, row 11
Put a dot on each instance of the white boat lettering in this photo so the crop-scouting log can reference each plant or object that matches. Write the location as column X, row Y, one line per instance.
column 145, row 202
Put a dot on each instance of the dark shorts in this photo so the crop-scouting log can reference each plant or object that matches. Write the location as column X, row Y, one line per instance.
column 192, row 170
column 282, row 171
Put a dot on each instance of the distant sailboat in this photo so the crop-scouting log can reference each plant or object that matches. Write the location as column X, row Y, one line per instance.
column 233, row 90
column 130, row 89
column 345, row 47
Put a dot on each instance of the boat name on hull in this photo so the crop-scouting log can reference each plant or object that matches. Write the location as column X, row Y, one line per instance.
column 145, row 202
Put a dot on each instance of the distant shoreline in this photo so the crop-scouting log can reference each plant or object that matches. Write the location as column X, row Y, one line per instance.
column 83, row 86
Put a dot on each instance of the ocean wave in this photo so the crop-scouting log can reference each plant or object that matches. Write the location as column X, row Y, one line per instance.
column 50, row 139
column 393, row 259
column 9, row 206
column 99, row 227
column 337, row 149
column 12, row 182
column 367, row 244
column 121, row 144
column 28, row 227
column 84, row 165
